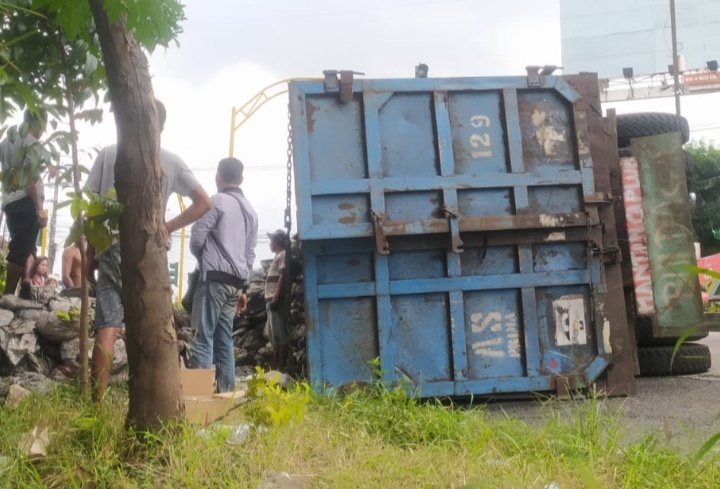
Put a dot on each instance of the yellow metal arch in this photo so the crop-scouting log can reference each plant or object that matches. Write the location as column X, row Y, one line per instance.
column 241, row 115
column 238, row 118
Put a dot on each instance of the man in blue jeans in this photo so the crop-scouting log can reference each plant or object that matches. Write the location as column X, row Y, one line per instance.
column 223, row 241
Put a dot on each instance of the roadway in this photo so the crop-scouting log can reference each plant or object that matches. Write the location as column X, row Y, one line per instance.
column 684, row 411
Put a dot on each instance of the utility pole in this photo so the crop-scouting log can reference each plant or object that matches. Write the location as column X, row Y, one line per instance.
column 676, row 61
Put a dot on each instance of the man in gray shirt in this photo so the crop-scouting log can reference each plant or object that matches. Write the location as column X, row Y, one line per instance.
column 223, row 241
column 109, row 314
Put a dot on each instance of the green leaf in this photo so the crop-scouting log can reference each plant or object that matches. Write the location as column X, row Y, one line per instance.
column 73, row 16
column 99, row 236
column 75, row 208
column 74, row 236
column 707, row 446
column 687, row 333
column 95, row 208
column 702, row 271
column 64, row 146
column 64, row 204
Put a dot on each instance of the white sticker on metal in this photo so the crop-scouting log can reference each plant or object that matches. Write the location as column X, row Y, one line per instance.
column 570, row 323
column 559, row 236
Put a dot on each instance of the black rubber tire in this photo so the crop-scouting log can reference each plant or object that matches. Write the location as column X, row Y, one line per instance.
column 644, row 334
column 691, row 358
column 688, row 159
column 643, row 124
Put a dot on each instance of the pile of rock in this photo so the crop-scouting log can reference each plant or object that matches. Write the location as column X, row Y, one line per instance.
column 251, row 344
column 41, row 338
column 37, row 343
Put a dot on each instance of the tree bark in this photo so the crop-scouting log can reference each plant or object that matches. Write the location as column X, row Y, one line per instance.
column 52, row 231
column 155, row 390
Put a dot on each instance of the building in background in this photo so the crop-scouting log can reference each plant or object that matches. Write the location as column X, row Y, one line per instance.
column 609, row 36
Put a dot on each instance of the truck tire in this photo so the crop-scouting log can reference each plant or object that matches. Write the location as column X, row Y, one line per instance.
column 688, row 159
column 691, row 358
column 643, row 124
column 644, row 334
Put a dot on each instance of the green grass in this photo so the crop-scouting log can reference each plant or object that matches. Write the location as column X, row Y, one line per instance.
column 372, row 439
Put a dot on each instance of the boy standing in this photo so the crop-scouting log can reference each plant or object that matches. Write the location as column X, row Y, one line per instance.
column 274, row 299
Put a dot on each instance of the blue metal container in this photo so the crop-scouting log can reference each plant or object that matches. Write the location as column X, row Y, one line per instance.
column 452, row 229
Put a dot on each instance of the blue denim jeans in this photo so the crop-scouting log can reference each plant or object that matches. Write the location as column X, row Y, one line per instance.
column 212, row 319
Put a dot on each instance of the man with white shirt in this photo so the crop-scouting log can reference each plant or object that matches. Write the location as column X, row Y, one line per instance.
column 223, row 241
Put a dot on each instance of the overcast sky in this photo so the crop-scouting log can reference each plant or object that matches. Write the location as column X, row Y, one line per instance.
column 231, row 49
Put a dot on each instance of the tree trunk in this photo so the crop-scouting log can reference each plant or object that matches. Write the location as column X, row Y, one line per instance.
column 84, row 306
column 155, row 390
column 52, row 247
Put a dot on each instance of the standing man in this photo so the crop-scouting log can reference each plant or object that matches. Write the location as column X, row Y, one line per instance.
column 22, row 203
column 109, row 314
column 275, row 298
column 223, row 241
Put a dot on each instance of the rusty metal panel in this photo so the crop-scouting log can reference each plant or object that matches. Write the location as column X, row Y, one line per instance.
column 627, row 364
column 620, row 379
column 670, row 236
column 461, row 231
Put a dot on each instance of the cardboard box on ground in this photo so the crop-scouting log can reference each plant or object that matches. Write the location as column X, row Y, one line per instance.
column 202, row 405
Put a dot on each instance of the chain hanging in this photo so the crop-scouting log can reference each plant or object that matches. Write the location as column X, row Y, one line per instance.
column 287, row 281
column 288, row 201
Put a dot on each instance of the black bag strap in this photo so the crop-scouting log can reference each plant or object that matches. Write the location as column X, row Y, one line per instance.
column 246, row 218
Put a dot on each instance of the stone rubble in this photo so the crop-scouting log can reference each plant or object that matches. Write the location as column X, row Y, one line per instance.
column 38, row 347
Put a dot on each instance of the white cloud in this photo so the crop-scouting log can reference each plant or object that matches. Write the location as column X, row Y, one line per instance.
column 198, row 129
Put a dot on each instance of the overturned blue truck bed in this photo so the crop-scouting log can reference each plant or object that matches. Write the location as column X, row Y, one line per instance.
column 462, row 232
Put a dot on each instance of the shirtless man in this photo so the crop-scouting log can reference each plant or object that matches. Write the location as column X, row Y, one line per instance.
column 71, row 265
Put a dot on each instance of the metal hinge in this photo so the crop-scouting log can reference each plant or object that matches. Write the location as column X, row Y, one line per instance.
column 342, row 81
column 455, row 242
column 381, row 242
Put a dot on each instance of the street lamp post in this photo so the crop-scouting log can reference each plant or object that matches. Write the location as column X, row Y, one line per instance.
column 676, row 63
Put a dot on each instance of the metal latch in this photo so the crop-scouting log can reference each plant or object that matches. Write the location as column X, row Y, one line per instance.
column 609, row 254
column 565, row 385
column 455, row 241
column 600, row 199
column 381, row 242
column 536, row 74
column 342, row 81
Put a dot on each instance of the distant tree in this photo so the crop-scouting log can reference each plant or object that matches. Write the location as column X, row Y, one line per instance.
column 113, row 34
column 45, row 65
column 705, row 183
